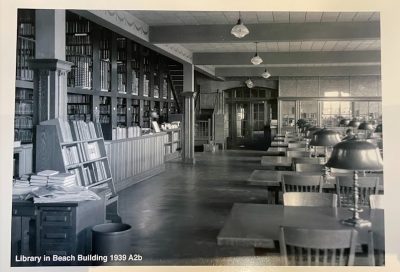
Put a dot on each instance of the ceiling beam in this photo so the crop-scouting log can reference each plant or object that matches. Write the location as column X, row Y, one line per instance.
column 243, row 58
column 266, row 32
column 299, row 71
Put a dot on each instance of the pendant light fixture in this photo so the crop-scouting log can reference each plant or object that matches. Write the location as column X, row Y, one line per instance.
column 266, row 74
column 249, row 83
column 256, row 60
column 239, row 30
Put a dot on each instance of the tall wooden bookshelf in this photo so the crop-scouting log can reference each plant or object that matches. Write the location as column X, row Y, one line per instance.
column 124, row 80
column 24, row 120
column 77, row 147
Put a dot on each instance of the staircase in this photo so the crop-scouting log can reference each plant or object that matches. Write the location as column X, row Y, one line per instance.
column 175, row 77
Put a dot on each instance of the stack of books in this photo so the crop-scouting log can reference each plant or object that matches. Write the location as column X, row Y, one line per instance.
column 41, row 178
column 62, row 179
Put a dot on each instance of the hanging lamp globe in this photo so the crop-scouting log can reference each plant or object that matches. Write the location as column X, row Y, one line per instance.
column 239, row 30
column 266, row 74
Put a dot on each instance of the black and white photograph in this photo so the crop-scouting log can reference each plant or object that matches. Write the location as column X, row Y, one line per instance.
column 146, row 137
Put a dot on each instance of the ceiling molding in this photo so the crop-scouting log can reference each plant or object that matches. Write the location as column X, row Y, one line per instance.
column 266, row 32
column 299, row 71
column 243, row 58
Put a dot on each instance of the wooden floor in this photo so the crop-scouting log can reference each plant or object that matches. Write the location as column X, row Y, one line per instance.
column 177, row 215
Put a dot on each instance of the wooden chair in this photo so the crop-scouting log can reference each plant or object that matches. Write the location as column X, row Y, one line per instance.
column 376, row 201
column 322, row 247
column 301, row 183
column 344, row 189
column 310, row 199
column 341, row 171
column 306, row 160
column 376, row 249
column 295, row 149
column 296, row 145
column 297, row 154
column 308, row 167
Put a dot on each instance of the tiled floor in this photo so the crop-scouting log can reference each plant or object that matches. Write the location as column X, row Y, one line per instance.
column 177, row 215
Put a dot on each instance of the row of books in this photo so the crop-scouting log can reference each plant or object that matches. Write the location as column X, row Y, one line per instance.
column 81, row 73
column 123, row 133
column 135, row 83
column 23, row 122
column 146, row 85
column 71, row 155
column 77, row 130
column 25, row 52
column 24, row 136
column 25, row 94
column 26, row 29
column 83, row 49
column 90, row 174
column 82, row 26
column 83, row 117
column 78, row 98
column 23, row 108
column 78, row 40
column 84, row 130
column 105, row 78
column 121, row 109
column 105, row 119
column 74, row 109
column 41, row 178
column 105, row 109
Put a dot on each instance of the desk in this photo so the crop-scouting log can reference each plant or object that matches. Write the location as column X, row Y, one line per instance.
column 276, row 151
column 279, row 144
column 272, row 179
column 54, row 228
column 257, row 225
column 276, row 161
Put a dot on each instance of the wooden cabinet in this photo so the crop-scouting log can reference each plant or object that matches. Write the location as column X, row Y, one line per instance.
column 135, row 159
column 54, row 229
column 173, row 144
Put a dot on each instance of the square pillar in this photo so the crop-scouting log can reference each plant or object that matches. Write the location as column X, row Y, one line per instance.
column 189, row 114
column 50, row 83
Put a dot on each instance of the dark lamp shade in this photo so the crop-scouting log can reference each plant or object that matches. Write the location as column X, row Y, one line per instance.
column 354, row 124
column 344, row 122
column 310, row 131
column 378, row 128
column 325, row 137
column 355, row 155
column 366, row 126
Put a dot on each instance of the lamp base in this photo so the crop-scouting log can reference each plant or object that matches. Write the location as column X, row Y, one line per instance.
column 358, row 223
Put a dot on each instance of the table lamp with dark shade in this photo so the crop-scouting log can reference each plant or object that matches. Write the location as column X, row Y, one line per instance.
column 308, row 135
column 367, row 127
column 354, row 123
column 344, row 122
column 326, row 138
column 356, row 155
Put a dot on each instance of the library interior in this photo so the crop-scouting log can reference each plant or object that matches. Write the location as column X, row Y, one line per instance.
column 197, row 138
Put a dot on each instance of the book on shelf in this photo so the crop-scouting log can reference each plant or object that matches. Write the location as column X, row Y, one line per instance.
column 91, row 150
column 71, row 155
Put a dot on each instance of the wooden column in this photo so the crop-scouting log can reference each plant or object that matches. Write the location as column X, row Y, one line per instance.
column 189, row 113
column 50, row 81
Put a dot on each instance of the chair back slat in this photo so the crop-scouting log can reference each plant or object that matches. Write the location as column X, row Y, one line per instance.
column 301, row 183
column 344, row 189
column 310, row 199
column 317, row 246
column 308, row 167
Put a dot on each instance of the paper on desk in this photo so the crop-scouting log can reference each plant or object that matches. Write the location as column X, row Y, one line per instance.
column 55, row 193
